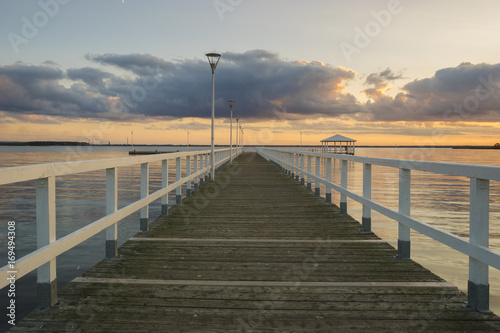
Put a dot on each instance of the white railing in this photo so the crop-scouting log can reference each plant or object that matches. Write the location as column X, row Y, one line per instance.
column 297, row 163
column 44, row 258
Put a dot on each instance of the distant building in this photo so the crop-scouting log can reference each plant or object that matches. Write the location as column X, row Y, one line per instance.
column 338, row 144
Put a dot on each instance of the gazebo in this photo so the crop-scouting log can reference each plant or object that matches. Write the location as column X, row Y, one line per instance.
column 345, row 145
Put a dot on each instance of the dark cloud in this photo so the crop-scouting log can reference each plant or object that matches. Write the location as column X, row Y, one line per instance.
column 258, row 80
column 467, row 92
column 37, row 90
column 140, row 64
column 264, row 86
column 89, row 75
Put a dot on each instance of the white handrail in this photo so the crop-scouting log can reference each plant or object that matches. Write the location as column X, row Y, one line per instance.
column 477, row 247
column 45, row 175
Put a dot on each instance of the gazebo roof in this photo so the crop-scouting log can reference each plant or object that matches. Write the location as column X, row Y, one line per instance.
column 338, row 138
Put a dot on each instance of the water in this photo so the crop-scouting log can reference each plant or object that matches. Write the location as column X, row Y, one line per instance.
column 440, row 200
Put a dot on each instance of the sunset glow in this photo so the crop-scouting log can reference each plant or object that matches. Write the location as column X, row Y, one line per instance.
column 382, row 72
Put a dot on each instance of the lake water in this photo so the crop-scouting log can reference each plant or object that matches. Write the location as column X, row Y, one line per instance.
column 440, row 200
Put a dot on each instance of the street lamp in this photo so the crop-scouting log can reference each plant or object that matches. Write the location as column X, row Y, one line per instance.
column 231, row 104
column 242, row 140
column 237, row 136
column 187, row 143
column 213, row 60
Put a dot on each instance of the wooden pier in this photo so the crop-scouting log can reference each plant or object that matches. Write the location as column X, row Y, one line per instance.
column 255, row 251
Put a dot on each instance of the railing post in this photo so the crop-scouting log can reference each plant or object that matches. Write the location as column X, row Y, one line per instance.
column 202, row 179
column 302, row 179
column 287, row 168
column 144, row 194
column 178, row 199
column 188, row 173
column 195, row 164
column 206, row 166
column 318, row 168
column 292, row 165
column 343, row 184
column 404, row 208
column 478, row 285
column 297, row 167
column 328, row 195
column 309, row 178
column 164, row 183
column 111, row 207
column 366, row 220
column 46, row 234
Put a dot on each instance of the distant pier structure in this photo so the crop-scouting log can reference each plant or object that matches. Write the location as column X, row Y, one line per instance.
column 345, row 145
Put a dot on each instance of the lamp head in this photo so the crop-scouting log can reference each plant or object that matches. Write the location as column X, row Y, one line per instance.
column 213, row 60
column 231, row 102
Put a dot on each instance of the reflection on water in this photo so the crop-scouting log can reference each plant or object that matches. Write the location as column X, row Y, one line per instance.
column 440, row 200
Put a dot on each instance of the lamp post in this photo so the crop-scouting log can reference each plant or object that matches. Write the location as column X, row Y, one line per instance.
column 300, row 139
column 237, row 136
column 231, row 104
column 187, row 143
column 213, row 60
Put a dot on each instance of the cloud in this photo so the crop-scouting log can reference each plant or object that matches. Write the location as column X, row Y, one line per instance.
column 467, row 92
column 91, row 76
column 38, row 90
column 260, row 82
column 380, row 82
column 264, row 85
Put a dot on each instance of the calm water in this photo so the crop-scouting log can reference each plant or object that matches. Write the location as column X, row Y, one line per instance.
column 439, row 200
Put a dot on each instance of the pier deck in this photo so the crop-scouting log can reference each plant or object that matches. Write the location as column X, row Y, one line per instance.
column 255, row 251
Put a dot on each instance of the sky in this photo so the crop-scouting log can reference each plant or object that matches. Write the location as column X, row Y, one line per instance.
column 383, row 72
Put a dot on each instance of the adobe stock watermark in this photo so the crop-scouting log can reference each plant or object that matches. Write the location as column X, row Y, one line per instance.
column 31, row 26
column 224, row 6
column 372, row 29
column 12, row 272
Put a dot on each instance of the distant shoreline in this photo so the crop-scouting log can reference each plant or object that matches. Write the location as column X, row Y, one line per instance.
column 75, row 143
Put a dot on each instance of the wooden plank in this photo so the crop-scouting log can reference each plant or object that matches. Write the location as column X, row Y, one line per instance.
column 254, row 251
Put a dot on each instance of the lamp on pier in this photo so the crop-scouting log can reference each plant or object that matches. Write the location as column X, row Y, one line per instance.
column 213, row 60
column 231, row 104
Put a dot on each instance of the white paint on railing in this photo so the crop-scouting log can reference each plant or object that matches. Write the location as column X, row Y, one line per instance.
column 343, row 184
column 188, row 173
column 111, row 207
column 317, row 182
column 480, row 256
column 164, row 183
column 479, row 234
column 404, row 209
column 367, row 194
column 46, row 235
column 144, row 220
column 328, row 194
